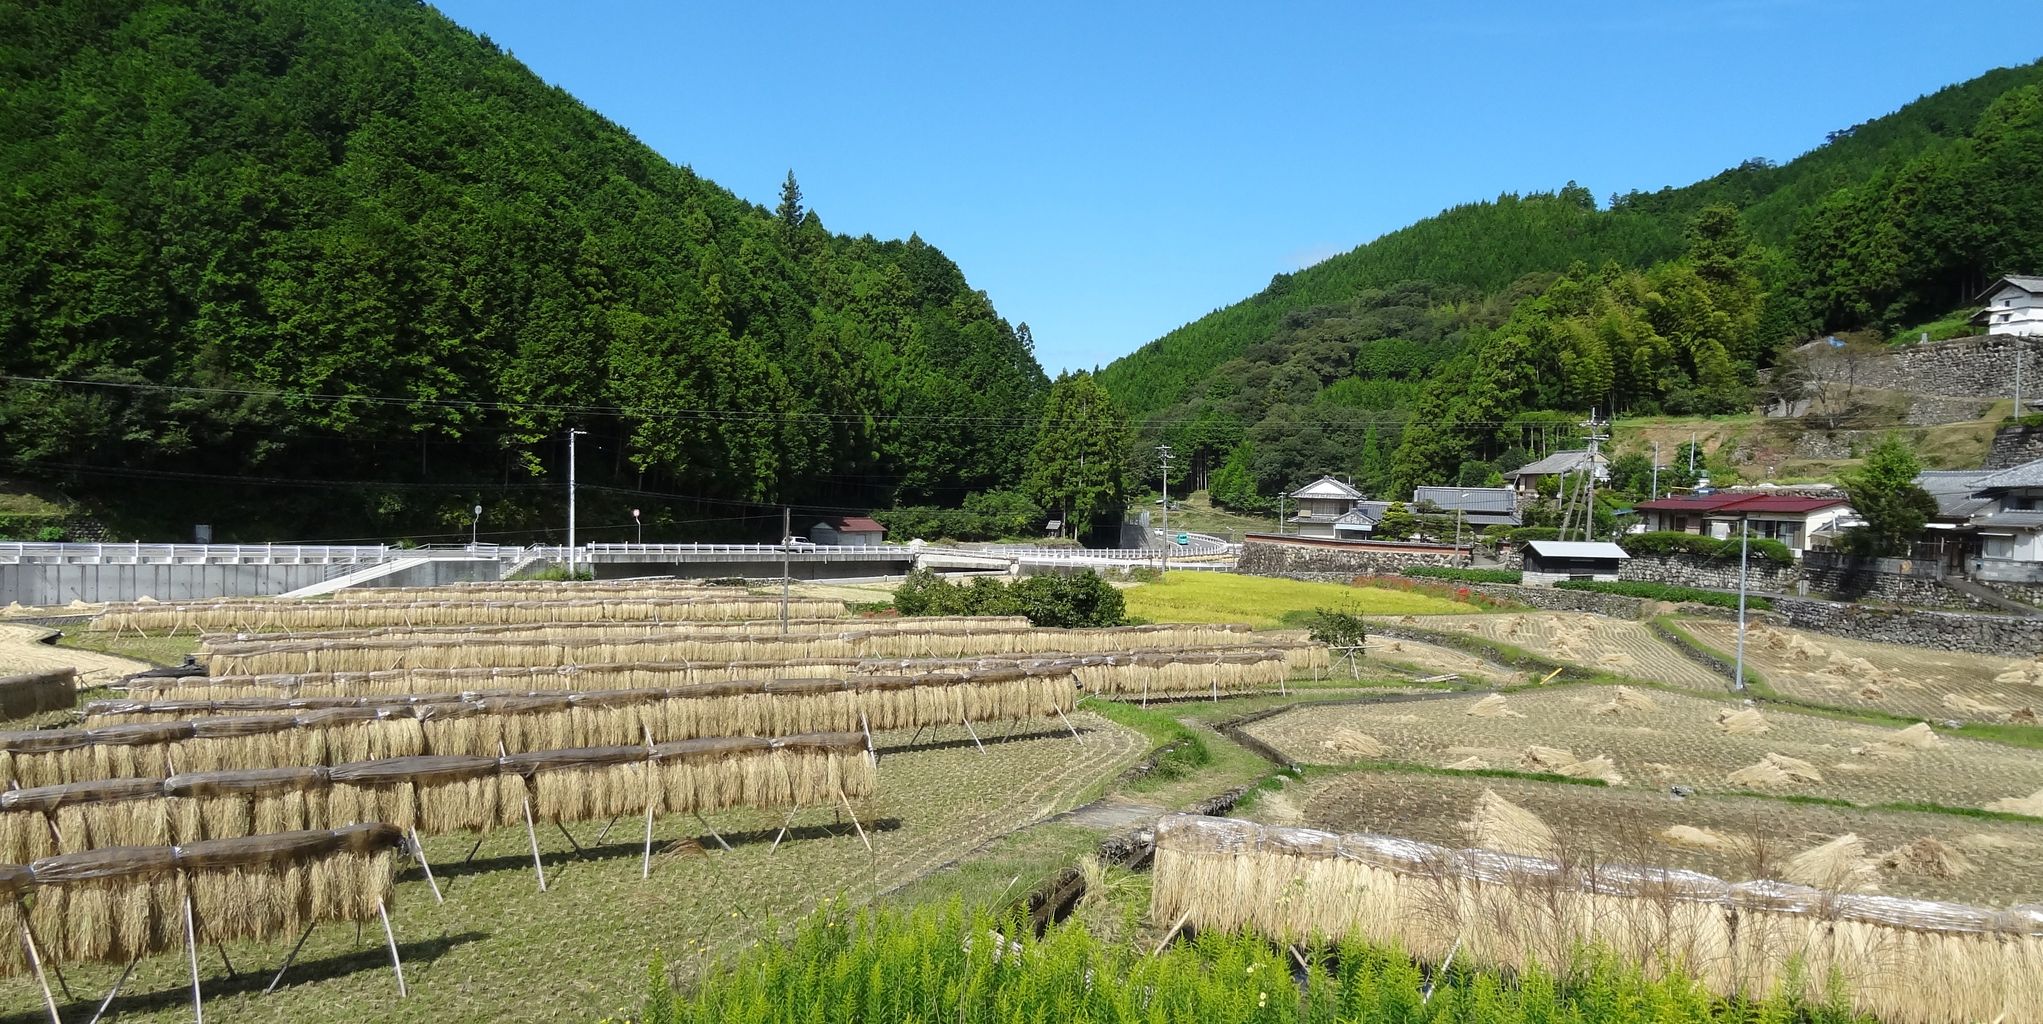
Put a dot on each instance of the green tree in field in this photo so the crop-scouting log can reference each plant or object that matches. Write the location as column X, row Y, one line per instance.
column 1884, row 493
column 1080, row 456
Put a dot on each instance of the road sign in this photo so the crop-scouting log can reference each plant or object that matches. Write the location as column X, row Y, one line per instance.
column 1184, row 538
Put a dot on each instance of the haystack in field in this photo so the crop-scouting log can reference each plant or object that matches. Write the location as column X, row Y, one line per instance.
column 2031, row 805
column 1968, row 706
column 1775, row 771
column 1492, row 706
column 1546, row 759
column 1890, row 959
column 1696, row 838
column 1468, row 764
column 1926, row 855
column 1499, row 824
column 1742, row 722
column 1627, row 701
column 1600, row 767
column 1353, row 745
column 1840, row 865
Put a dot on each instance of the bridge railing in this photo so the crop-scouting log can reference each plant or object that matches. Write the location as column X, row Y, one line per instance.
column 136, row 553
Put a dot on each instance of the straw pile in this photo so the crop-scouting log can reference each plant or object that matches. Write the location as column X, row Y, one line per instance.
column 1499, row 824
column 1697, row 838
column 1353, row 745
column 37, row 692
column 1775, row 771
column 1111, row 672
column 1742, row 722
column 1840, row 865
column 275, row 616
column 240, row 659
column 2031, row 805
column 558, row 631
column 1627, row 701
column 148, row 749
column 1926, row 856
column 120, row 903
column 1901, row 961
column 441, row 794
column 1493, row 706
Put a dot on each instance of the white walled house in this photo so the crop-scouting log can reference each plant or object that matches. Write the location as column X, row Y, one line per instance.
column 1321, row 505
column 2014, row 305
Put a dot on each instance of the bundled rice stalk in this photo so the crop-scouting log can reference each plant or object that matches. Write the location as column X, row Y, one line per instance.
column 15, row 884
column 36, row 692
column 1926, row 855
column 115, row 904
column 584, row 631
column 1742, row 722
column 1896, row 960
column 1775, row 771
column 1493, row 706
column 1627, row 701
column 279, row 616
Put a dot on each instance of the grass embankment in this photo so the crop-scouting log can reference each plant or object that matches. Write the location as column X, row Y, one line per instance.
column 165, row 651
column 1263, row 602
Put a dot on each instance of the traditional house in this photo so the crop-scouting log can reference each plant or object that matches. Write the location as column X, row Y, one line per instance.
column 1525, row 480
column 1550, row 561
column 2010, row 527
column 1800, row 522
column 1479, row 506
column 848, row 531
column 1321, row 504
column 2014, row 305
column 1360, row 522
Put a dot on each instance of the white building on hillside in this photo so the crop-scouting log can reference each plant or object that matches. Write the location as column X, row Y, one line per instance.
column 1321, row 504
column 2014, row 305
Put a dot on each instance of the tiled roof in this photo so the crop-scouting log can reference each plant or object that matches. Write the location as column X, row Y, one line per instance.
column 1468, row 499
column 855, row 524
column 1955, row 490
column 1558, row 462
column 1326, row 487
column 1369, row 512
column 2032, row 285
column 2028, row 474
column 2019, row 519
column 1733, row 503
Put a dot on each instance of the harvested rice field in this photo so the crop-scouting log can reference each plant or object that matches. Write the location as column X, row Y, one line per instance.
column 21, row 651
column 1264, row 601
column 1426, row 659
column 1913, row 681
column 1653, row 739
column 1909, row 854
column 1596, row 642
column 500, row 950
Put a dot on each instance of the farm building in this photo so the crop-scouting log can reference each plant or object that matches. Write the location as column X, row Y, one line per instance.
column 848, row 531
column 1525, row 480
column 1551, row 561
column 2014, row 305
column 1793, row 520
column 1322, row 503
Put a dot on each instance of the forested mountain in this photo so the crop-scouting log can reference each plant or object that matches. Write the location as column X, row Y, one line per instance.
column 1449, row 350
column 349, row 248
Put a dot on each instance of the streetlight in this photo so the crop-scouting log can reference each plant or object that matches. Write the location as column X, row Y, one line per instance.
column 1744, row 532
column 474, row 525
column 641, row 527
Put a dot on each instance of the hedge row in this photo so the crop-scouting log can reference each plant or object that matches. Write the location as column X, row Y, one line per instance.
column 1442, row 572
column 1078, row 601
column 1672, row 542
column 1666, row 592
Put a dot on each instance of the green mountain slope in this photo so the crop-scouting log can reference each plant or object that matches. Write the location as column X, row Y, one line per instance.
column 350, row 249
column 1487, row 245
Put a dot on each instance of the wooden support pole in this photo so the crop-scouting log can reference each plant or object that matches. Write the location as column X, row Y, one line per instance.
column 854, row 820
column 605, row 834
column 712, row 832
column 1172, row 934
column 191, row 948
column 390, row 937
column 470, row 859
column 232, row 974
column 114, row 991
column 782, row 834
column 570, row 837
column 418, row 850
column 645, row 865
column 865, row 726
column 289, row 960
column 1067, row 723
column 532, row 835
column 974, row 734
column 35, row 960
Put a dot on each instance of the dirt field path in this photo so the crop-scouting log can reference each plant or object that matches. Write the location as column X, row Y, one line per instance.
column 20, row 652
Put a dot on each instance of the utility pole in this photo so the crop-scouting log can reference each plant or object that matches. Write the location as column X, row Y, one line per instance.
column 1691, row 455
column 1280, row 513
column 1656, row 471
column 2018, row 376
column 1744, row 532
column 1163, row 455
column 572, row 433
column 474, row 525
column 786, row 561
column 1596, row 439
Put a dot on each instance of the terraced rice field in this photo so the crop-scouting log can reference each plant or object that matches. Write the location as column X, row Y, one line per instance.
column 1436, row 659
column 1898, row 680
column 1595, row 642
column 1739, row 838
column 499, row 949
column 1677, row 741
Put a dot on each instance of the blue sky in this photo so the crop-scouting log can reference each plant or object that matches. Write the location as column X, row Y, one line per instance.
column 1107, row 171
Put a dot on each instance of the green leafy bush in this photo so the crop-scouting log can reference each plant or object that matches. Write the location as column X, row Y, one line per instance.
column 1442, row 572
column 1673, row 542
column 1337, row 628
column 986, row 515
column 1065, row 602
column 1666, row 592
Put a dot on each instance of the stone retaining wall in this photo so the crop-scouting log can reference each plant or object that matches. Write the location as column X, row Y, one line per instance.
column 2013, row 446
column 1711, row 574
column 1871, row 585
column 1296, row 560
column 1972, row 632
column 1970, row 367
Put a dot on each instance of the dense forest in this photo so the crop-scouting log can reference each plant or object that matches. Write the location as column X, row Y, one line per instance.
column 301, row 268
column 1465, row 344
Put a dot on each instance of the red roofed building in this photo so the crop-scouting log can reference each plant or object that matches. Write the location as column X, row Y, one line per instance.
column 848, row 531
column 1800, row 523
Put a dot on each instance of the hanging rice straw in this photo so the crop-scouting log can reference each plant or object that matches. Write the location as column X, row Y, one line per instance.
column 37, row 692
column 558, row 631
column 250, row 616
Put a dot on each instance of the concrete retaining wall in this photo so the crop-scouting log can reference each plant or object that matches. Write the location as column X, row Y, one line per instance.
column 45, row 585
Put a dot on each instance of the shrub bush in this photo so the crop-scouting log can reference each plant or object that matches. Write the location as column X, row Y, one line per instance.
column 1442, row 572
column 1666, row 592
column 987, row 515
column 1671, row 542
column 1076, row 601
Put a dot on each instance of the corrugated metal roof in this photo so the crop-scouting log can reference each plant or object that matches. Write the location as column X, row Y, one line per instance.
column 1558, row 462
column 1576, row 549
column 1326, row 487
column 1468, row 499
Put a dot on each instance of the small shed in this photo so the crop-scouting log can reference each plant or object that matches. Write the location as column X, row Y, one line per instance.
column 848, row 531
column 1550, row 561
